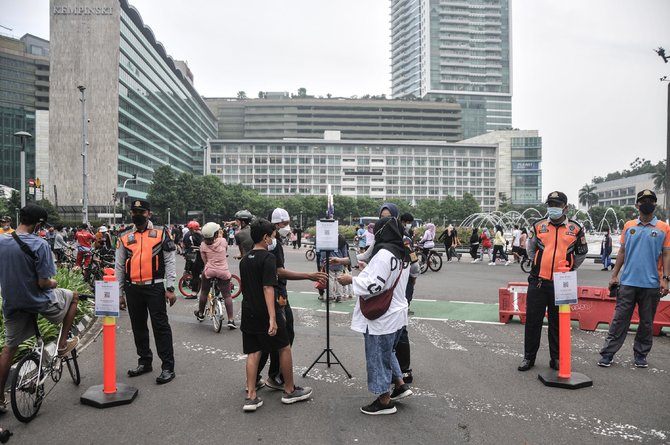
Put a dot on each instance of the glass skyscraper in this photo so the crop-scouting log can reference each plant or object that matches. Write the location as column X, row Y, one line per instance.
column 455, row 50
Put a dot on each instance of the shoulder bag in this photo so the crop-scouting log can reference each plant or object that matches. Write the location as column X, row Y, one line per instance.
column 375, row 307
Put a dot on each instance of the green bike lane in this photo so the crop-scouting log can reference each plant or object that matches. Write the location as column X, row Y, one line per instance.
column 424, row 309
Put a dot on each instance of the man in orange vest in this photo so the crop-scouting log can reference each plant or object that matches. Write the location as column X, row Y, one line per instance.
column 145, row 269
column 554, row 238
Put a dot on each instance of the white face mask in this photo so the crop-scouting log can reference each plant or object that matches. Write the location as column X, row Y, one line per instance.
column 273, row 245
column 284, row 231
column 408, row 226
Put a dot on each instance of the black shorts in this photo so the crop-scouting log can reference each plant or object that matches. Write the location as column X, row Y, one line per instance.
column 516, row 249
column 263, row 342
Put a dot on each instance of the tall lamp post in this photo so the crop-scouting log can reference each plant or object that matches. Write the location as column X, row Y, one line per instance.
column 661, row 53
column 168, row 210
column 84, row 152
column 23, row 135
column 123, row 200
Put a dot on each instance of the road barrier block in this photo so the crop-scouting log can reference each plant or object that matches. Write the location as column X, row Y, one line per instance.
column 595, row 307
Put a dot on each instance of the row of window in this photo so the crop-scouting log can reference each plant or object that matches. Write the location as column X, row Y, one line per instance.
column 217, row 148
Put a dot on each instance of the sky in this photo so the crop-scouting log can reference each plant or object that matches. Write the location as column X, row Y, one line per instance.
column 584, row 72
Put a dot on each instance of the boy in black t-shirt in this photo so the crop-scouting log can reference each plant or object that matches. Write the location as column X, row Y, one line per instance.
column 263, row 325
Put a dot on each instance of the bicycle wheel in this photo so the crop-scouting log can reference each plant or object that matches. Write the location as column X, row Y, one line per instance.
column 235, row 286
column 423, row 262
column 526, row 265
column 434, row 262
column 73, row 367
column 310, row 255
column 25, row 390
column 185, row 284
column 217, row 315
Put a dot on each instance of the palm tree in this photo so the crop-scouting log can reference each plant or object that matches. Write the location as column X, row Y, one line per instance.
column 587, row 196
column 659, row 181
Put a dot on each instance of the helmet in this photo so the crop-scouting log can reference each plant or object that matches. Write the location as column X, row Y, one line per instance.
column 210, row 229
column 193, row 225
column 5, row 218
column 244, row 215
column 102, row 229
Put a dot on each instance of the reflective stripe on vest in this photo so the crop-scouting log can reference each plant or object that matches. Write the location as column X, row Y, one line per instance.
column 144, row 255
column 554, row 243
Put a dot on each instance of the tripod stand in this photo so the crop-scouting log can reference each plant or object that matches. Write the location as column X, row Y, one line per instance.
column 328, row 351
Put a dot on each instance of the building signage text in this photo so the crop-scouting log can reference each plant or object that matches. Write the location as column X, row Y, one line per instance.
column 82, row 10
column 525, row 166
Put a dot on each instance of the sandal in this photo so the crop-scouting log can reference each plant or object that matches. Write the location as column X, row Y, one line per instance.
column 71, row 344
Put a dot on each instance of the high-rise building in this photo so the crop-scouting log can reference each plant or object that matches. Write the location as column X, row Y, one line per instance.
column 519, row 158
column 24, row 101
column 287, row 117
column 455, row 50
column 143, row 111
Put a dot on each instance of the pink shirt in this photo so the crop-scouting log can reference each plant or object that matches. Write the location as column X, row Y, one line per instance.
column 214, row 257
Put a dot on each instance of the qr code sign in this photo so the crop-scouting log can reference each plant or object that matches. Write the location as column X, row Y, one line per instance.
column 326, row 232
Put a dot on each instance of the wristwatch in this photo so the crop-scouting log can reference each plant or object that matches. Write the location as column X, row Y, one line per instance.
column 170, row 288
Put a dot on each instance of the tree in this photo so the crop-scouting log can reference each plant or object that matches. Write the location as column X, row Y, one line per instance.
column 261, row 94
column 162, row 191
column 587, row 196
column 659, row 182
column 241, row 95
column 302, row 92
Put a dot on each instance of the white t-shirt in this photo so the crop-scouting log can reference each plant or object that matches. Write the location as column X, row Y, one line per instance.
column 379, row 275
column 516, row 236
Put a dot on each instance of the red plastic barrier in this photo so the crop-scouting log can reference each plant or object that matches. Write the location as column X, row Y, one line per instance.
column 594, row 307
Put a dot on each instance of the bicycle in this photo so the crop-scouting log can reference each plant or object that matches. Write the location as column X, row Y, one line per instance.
column 215, row 307
column 526, row 264
column 310, row 253
column 41, row 367
column 432, row 261
column 185, row 285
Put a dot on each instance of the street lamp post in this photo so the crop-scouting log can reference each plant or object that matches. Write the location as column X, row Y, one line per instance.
column 301, row 219
column 23, row 135
column 168, row 222
column 84, row 153
column 17, row 216
column 123, row 200
column 661, row 53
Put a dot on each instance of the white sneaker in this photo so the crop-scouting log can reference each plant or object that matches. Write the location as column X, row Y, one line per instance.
column 492, row 264
column 477, row 260
column 473, row 261
column 507, row 263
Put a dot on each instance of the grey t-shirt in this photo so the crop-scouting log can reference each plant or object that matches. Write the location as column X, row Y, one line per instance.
column 244, row 241
column 19, row 274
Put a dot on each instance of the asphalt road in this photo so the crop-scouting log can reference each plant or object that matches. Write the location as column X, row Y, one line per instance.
column 466, row 387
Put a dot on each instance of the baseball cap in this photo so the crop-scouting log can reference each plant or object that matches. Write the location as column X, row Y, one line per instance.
column 646, row 193
column 557, row 197
column 279, row 215
column 140, row 204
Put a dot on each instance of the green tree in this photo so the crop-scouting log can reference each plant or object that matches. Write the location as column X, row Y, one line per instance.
column 162, row 192
column 660, row 184
column 587, row 196
column 302, row 92
column 241, row 95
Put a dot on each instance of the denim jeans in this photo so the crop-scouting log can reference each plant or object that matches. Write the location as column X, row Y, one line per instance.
column 382, row 364
column 606, row 260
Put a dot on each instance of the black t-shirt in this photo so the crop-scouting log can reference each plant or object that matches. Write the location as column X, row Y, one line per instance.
column 278, row 252
column 257, row 269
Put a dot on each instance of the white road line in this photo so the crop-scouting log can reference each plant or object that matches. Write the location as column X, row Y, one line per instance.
column 333, row 312
column 307, row 292
column 483, row 322
column 428, row 318
column 421, row 299
column 466, row 302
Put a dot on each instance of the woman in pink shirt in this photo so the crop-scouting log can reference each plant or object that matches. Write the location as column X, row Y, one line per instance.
column 214, row 252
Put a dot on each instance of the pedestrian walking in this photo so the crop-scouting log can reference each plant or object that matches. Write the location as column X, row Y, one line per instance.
column 644, row 254
column 555, row 238
column 474, row 244
column 606, row 250
column 145, row 270
column 499, row 244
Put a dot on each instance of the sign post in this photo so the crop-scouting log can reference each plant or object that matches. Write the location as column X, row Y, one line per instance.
column 565, row 294
column 110, row 393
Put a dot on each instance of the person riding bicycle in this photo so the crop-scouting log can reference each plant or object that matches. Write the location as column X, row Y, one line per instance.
column 194, row 264
column 28, row 290
column 243, row 236
column 213, row 252
column 427, row 241
column 84, row 237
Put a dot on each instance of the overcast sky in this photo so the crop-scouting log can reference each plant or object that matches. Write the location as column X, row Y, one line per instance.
column 584, row 73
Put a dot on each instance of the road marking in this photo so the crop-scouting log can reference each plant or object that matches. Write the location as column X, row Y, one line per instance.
column 421, row 299
column 308, row 292
column 466, row 302
column 483, row 322
column 428, row 318
column 333, row 312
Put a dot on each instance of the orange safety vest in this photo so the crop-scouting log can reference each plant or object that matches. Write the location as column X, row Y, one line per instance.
column 555, row 243
column 144, row 254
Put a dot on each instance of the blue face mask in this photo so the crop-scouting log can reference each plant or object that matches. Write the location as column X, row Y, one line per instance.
column 554, row 212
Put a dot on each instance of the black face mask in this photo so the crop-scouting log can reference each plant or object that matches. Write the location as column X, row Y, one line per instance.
column 139, row 220
column 647, row 208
